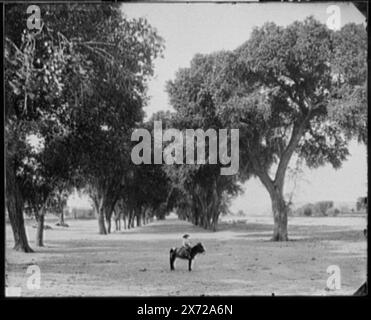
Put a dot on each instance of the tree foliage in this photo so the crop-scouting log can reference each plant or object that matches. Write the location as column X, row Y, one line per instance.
column 78, row 85
column 290, row 90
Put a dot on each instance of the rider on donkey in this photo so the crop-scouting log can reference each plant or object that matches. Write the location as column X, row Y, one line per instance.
column 187, row 244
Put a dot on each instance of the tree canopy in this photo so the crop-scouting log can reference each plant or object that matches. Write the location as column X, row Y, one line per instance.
column 299, row 89
column 78, row 84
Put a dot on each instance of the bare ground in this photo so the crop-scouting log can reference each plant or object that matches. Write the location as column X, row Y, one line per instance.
column 240, row 259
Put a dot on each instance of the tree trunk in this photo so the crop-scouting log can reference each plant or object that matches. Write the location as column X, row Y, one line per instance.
column 118, row 221
column 108, row 210
column 61, row 218
column 132, row 220
column 15, row 211
column 279, row 206
column 101, row 224
column 40, row 229
column 144, row 217
column 104, row 207
column 275, row 188
column 124, row 218
column 108, row 216
column 129, row 220
column 109, row 225
column 138, row 220
column 215, row 219
column 280, row 211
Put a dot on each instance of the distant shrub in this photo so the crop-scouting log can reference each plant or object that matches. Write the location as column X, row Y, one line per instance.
column 308, row 211
column 361, row 204
column 240, row 213
column 333, row 212
column 321, row 207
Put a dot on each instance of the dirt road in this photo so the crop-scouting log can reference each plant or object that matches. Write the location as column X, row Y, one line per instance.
column 240, row 259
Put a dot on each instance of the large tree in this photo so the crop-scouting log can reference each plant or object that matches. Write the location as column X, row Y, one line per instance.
column 113, row 108
column 201, row 191
column 296, row 90
column 35, row 68
column 82, row 57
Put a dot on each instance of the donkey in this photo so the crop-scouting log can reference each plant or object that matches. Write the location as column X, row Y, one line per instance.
column 182, row 253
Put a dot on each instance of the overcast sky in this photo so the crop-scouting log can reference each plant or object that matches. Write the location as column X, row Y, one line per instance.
column 206, row 27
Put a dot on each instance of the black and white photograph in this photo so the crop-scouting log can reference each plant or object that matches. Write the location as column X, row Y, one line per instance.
column 185, row 149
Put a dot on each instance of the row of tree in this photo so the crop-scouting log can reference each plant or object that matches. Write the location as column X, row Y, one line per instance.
column 293, row 92
column 75, row 89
